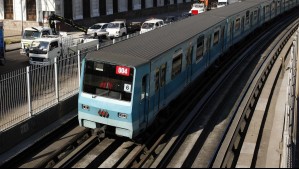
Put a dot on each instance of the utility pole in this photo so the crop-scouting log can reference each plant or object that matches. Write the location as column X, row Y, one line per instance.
column 22, row 13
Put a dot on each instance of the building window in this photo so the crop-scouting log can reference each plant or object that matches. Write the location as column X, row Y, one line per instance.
column 31, row 10
column 102, row 7
column 86, row 9
column 8, row 9
column 68, row 9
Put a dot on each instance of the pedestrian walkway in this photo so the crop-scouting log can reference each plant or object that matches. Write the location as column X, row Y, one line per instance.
column 12, row 39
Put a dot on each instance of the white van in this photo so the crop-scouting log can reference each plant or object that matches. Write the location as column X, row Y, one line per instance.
column 151, row 25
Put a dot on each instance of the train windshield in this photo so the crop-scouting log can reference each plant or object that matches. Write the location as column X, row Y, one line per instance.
column 110, row 81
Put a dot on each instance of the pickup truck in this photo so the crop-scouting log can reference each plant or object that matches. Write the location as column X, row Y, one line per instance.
column 31, row 34
column 43, row 50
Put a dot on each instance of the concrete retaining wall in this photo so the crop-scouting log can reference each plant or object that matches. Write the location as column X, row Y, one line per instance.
column 17, row 134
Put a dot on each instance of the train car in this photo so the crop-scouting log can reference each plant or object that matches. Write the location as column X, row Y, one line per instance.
column 125, row 86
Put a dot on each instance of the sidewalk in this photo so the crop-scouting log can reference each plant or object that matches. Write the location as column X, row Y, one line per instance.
column 13, row 47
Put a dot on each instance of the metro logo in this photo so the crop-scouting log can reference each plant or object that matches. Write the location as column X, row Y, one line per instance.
column 124, row 71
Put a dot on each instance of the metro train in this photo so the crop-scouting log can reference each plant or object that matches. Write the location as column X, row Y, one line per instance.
column 124, row 86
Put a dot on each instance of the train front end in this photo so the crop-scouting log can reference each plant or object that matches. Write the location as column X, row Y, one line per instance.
column 106, row 97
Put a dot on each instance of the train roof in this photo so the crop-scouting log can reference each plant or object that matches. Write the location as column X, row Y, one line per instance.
column 235, row 8
column 146, row 47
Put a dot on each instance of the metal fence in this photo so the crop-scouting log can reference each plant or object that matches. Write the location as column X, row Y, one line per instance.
column 32, row 90
column 290, row 121
column 29, row 91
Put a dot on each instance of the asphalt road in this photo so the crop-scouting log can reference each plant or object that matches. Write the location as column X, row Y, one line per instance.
column 14, row 61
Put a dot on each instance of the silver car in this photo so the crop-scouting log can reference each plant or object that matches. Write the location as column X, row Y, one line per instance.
column 97, row 28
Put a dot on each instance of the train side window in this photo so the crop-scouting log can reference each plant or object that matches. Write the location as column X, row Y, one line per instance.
column 247, row 18
column 267, row 9
column 216, row 38
column 177, row 64
column 238, row 24
column 200, row 48
column 143, row 92
column 157, row 79
column 163, row 75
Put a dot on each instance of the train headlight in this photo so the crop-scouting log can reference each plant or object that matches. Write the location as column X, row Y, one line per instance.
column 122, row 115
column 85, row 107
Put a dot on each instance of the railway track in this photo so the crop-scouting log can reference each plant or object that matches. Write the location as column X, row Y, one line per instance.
column 176, row 144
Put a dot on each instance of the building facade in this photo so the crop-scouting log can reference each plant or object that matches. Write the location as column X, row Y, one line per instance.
column 21, row 13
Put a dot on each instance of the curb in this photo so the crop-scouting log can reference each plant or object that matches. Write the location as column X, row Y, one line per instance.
column 11, row 50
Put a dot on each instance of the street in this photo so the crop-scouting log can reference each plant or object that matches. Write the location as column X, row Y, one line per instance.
column 14, row 61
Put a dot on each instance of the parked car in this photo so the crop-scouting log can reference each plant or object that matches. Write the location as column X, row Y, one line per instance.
column 185, row 15
column 133, row 27
column 151, row 25
column 117, row 29
column 170, row 19
column 97, row 28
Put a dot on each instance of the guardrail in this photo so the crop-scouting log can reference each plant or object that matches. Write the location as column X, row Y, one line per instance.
column 290, row 121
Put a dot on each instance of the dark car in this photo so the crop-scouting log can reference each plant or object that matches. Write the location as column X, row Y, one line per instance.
column 185, row 15
column 170, row 19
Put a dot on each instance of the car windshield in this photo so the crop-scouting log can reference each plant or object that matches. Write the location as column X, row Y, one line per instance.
column 40, row 45
column 198, row 5
column 222, row 3
column 29, row 34
column 109, row 81
column 147, row 25
column 113, row 25
column 96, row 27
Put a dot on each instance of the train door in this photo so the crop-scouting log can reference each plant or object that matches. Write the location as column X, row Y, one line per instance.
column 251, row 19
column 232, row 33
column 189, row 57
column 222, row 39
column 144, row 102
column 160, row 82
column 163, row 71
column 208, row 50
column 242, row 24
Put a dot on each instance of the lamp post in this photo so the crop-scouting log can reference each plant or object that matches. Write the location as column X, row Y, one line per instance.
column 22, row 17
